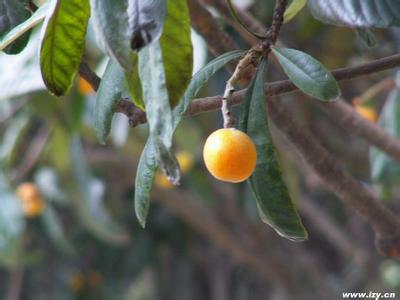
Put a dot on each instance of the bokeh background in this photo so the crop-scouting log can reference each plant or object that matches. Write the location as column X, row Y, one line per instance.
column 79, row 238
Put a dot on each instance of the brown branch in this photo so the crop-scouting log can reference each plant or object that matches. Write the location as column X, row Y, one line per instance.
column 352, row 192
column 326, row 226
column 219, row 39
column 346, row 117
column 283, row 87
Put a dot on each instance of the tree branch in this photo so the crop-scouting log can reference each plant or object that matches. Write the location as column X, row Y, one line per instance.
column 352, row 192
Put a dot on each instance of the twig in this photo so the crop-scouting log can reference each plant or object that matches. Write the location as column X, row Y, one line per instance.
column 251, row 58
column 355, row 194
column 207, row 104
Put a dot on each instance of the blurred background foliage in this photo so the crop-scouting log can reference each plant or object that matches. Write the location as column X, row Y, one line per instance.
column 67, row 225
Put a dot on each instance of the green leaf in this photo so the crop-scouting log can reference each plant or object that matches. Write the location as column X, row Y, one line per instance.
column 108, row 94
column 357, row 13
column 13, row 13
column 308, row 74
column 63, row 43
column 294, row 8
column 148, row 164
column 384, row 171
column 199, row 79
column 24, row 27
column 111, row 24
column 177, row 54
column 158, row 111
column 176, row 45
column 145, row 174
column 134, row 84
column 271, row 194
column 123, row 26
column 147, row 21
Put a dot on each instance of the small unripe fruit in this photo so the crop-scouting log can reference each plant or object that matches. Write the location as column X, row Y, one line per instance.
column 230, row 155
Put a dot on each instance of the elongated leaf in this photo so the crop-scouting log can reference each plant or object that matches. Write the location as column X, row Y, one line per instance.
column 63, row 43
column 308, row 74
column 111, row 23
column 159, row 115
column 177, row 54
column 13, row 13
column 199, row 79
column 123, row 26
column 24, row 27
column 272, row 197
column 110, row 91
column 176, row 45
column 148, row 163
column 146, row 170
column 294, row 8
column 146, row 20
column 357, row 13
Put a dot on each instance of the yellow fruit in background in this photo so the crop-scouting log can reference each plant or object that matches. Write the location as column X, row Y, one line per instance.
column 84, row 87
column 230, row 155
column 185, row 160
column 367, row 112
column 31, row 200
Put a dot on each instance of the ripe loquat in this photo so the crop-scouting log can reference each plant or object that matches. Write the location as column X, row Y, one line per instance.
column 230, row 155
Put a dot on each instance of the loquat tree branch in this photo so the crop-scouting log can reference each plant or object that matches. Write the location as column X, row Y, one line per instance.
column 352, row 192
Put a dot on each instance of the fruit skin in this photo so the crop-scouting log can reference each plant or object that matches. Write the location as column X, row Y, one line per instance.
column 367, row 112
column 186, row 162
column 230, row 155
column 31, row 200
